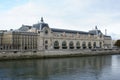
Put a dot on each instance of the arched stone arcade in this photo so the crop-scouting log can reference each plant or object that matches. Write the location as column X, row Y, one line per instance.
column 64, row 45
column 89, row 45
column 74, row 45
column 71, row 45
column 56, row 45
column 84, row 45
column 77, row 45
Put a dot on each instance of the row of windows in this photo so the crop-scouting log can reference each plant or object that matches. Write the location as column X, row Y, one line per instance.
column 76, row 35
column 19, row 47
column 71, row 45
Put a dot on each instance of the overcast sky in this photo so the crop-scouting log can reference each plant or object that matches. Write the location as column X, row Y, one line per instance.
column 82, row 15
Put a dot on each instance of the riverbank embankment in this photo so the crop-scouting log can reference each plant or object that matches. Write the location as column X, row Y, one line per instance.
column 16, row 55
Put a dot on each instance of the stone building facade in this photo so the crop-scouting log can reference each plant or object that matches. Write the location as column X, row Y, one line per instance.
column 41, row 37
column 52, row 38
column 15, row 40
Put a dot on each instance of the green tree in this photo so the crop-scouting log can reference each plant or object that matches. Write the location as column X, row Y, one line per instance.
column 117, row 43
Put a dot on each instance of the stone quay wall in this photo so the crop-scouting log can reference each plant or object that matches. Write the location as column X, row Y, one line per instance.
column 42, row 54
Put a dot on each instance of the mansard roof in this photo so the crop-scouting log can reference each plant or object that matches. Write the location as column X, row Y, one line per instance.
column 107, row 36
column 25, row 28
column 95, row 32
column 40, row 26
column 22, row 32
column 69, row 31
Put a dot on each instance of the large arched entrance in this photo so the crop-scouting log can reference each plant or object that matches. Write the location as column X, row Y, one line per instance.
column 64, row 45
column 84, row 45
column 71, row 45
column 89, row 45
column 78, row 45
column 56, row 45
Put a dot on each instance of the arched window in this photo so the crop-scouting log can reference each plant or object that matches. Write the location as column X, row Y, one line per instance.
column 100, row 44
column 46, row 31
column 71, row 45
column 94, row 44
column 25, row 47
column 46, row 42
column 78, row 45
column 56, row 45
column 84, row 45
column 64, row 45
column 89, row 45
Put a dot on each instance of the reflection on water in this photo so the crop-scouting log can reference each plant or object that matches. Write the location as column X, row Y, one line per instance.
column 80, row 68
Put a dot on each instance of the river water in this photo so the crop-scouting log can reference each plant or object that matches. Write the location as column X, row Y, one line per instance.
column 76, row 68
